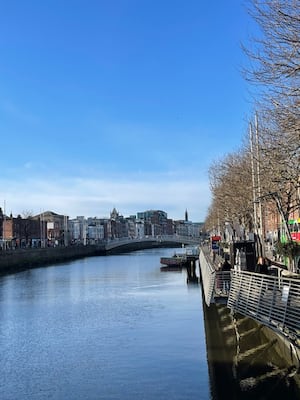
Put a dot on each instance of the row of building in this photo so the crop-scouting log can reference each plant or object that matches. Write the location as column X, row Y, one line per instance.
column 51, row 229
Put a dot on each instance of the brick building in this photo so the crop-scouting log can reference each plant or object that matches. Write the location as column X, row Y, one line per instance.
column 19, row 232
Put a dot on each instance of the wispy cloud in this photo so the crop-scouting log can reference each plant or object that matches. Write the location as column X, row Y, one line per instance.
column 97, row 196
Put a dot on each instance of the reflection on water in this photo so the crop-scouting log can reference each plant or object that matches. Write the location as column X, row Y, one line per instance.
column 111, row 327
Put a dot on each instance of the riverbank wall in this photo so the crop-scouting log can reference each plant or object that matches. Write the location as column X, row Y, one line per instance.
column 12, row 261
column 246, row 359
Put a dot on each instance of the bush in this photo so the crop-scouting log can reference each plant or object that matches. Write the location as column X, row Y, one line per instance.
column 289, row 249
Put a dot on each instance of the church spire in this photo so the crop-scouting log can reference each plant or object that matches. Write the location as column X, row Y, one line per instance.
column 186, row 215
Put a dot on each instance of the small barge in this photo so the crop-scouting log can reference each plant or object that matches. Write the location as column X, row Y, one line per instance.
column 178, row 260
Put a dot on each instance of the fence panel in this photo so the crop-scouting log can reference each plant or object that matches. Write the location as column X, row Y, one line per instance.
column 271, row 300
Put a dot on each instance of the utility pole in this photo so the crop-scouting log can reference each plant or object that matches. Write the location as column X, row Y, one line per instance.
column 65, row 230
column 260, row 216
column 255, row 186
column 4, row 226
column 42, row 229
column 253, row 180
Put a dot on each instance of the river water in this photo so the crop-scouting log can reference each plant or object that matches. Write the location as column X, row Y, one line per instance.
column 113, row 327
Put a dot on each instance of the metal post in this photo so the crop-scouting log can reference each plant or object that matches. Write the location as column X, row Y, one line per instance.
column 260, row 226
column 3, row 227
column 253, row 180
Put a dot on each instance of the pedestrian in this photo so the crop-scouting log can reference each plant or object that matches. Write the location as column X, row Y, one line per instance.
column 261, row 266
column 226, row 267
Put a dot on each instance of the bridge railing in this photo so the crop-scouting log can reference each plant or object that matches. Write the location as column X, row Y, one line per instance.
column 208, row 275
column 272, row 300
column 117, row 242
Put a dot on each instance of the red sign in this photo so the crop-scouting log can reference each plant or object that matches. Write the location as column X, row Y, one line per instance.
column 216, row 238
column 295, row 236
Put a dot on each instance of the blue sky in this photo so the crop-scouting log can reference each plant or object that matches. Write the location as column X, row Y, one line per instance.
column 120, row 103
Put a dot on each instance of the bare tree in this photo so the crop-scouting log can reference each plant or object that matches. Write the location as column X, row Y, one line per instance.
column 275, row 67
column 271, row 171
column 275, row 53
column 275, row 70
column 232, row 203
column 27, row 214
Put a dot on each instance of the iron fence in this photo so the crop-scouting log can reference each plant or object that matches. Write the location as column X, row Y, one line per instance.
column 208, row 275
column 272, row 300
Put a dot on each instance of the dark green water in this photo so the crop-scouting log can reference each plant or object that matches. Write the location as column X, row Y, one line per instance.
column 112, row 327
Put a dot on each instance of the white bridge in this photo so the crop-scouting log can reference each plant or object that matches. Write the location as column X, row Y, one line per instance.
column 150, row 241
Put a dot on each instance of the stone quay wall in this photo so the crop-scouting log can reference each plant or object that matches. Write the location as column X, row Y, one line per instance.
column 12, row 261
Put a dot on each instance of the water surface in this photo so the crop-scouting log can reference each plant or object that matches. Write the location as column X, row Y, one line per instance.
column 112, row 327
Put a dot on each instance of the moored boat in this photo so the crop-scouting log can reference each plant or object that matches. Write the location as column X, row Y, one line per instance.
column 178, row 260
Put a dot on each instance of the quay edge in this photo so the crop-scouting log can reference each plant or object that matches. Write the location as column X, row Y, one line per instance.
column 13, row 261
column 22, row 259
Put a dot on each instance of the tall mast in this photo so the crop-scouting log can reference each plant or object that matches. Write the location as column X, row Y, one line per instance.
column 4, row 225
column 253, row 180
column 260, row 216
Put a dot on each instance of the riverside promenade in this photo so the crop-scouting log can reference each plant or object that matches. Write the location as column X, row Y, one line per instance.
column 255, row 326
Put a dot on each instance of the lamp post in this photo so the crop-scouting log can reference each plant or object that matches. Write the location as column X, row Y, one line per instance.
column 4, row 227
column 256, row 186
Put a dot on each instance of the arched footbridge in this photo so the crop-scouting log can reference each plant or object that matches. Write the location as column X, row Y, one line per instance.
column 128, row 244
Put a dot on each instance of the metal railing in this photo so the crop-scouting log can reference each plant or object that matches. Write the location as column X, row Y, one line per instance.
column 215, row 283
column 272, row 300
column 222, row 284
column 117, row 242
column 208, row 275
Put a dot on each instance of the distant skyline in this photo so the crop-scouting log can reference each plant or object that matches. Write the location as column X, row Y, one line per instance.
column 120, row 103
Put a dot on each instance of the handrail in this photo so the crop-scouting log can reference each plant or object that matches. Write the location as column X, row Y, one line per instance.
column 272, row 300
column 222, row 284
column 215, row 282
column 117, row 242
column 208, row 275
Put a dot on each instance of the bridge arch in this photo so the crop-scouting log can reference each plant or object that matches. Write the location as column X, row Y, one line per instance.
column 128, row 244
